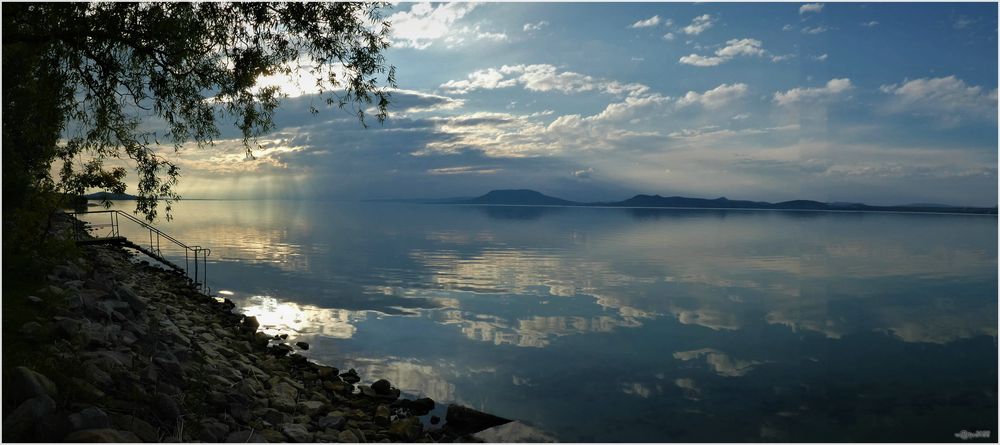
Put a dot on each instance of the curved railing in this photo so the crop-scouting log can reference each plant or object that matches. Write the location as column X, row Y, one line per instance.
column 195, row 256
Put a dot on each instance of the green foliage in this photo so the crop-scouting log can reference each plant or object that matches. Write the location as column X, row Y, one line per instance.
column 83, row 81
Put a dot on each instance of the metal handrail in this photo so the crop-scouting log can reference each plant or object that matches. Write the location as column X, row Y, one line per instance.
column 199, row 253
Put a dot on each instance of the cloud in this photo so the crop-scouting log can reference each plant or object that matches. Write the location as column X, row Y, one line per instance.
column 539, row 77
column 530, row 27
column 717, row 97
column 423, row 24
column 782, row 57
column 820, row 58
column 815, row 30
column 584, row 174
column 652, row 21
column 699, row 24
column 962, row 22
column 787, row 28
column 948, row 98
column 703, row 61
column 870, row 24
column 416, row 101
column 796, row 95
column 733, row 48
column 464, row 170
column 811, row 7
column 669, row 37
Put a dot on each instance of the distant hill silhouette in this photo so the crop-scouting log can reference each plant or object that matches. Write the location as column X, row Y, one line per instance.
column 517, row 197
column 110, row 196
column 524, row 197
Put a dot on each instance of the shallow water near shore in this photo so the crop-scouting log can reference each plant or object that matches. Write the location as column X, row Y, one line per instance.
column 596, row 324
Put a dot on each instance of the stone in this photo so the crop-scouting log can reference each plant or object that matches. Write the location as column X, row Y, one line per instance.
column 133, row 300
column 141, row 428
column 27, row 384
column 22, row 424
column 351, row 376
column 165, row 408
column 90, row 418
column 283, row 396
column 250, row 324
column 283, row 336
column 435, row 420
column 383, row 416
column 347, row 436
column 325, row 372
column 101, row 435
column 273, row 436
column 280, row 350
column 213, row 431
column 274, row 417
column 35, row 300
column 407, row 430
column 331, row 421
column 382, row 386
column 465, row 420
column 302, row 345
column 245, row 436
column 297, row 432
column 310, row 407
column 30, row 329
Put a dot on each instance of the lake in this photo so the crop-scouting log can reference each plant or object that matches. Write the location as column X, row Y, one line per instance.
column 612, row 325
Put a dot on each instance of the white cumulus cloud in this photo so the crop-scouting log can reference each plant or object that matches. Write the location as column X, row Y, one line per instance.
column 811, row 7
column 699, row 24
column 733, row 48
column 717, row 97
column 948, row 98
column 423, row 24
column 797, row 95
column 646, row 23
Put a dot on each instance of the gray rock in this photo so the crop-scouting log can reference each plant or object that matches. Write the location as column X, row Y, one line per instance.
column 21, row 424
column 141, row 428
column 102, row 435
column 348, row 436
column 351, row 376
column 283, row 396
column 90, row 418
column 213, row 431
column 310, row 407
column 297, row 432
column 407, row 430
column 35, row 300
column 274, row 417
column 331, row 421
column 382, row 387
column 165, row 408
column 245, row 436
column 250, row 324
column 27, row 384
column 273, row 436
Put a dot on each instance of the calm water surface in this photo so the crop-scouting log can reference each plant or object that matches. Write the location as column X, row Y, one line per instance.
column 629, row 324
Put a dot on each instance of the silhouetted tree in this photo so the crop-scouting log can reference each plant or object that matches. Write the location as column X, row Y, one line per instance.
column 82, row 81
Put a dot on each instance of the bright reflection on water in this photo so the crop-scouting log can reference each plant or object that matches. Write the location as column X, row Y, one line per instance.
column 633, row 325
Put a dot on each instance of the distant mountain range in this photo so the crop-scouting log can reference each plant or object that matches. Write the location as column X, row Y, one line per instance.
column 523, row 197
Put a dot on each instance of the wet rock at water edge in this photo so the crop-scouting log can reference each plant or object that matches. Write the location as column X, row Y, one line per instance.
column 417, row 407
column 463, row 420
column 302, row 345
column 351, row 376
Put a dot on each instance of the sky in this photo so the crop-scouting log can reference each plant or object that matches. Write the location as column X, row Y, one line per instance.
column 838, row 102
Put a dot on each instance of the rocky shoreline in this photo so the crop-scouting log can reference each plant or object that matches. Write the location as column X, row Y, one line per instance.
column 133, row 353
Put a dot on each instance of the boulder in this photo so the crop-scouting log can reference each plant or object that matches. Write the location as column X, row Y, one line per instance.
column 348, row 436
column 26, row 384
column 351, row 376
column 297, row 432
column 382, row 387
column 407, row 430
column 90, row 418
column 23, row 424
column 245, row 436
column 283, row 396
column 310, row 407
column 302, row 345
column 331, row 421
column 101, row 435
